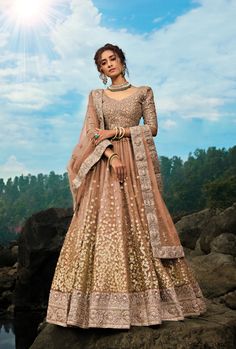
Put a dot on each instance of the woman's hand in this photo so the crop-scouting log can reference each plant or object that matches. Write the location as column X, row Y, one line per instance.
column 103, row 134
column 119, row 168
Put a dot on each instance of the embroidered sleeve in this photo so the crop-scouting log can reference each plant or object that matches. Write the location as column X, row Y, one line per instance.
column 149, row 111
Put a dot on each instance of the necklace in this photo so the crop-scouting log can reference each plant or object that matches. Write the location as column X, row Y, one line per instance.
column 121, row 87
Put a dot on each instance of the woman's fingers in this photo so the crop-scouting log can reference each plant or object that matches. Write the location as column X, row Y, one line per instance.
column 121, row 173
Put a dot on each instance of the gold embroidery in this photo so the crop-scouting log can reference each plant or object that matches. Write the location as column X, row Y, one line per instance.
column 117, row 266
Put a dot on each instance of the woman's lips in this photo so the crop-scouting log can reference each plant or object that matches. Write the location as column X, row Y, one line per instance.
column 111, row 70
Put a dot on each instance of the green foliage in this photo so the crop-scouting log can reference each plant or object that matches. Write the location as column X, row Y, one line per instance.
column 25, row 195
column 206, row 179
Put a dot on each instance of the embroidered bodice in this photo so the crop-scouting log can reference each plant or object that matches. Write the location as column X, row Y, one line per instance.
column 128, row 111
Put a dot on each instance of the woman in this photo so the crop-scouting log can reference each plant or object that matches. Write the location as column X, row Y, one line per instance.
column 122, row 262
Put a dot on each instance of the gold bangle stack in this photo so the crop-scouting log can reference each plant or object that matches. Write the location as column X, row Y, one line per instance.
column 120, row 132
column 111, row 157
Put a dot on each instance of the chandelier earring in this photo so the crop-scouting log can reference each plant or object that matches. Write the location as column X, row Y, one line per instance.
column 103, row 77
column 123, row 70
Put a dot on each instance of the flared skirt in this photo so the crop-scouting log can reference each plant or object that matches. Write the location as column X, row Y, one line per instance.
column 106, row 275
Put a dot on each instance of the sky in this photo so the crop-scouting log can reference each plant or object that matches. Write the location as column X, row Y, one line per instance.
column 184, row 49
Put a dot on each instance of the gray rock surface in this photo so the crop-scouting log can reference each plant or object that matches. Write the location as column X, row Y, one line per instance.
column 224, row 243
column 191, row 226
column 8, row 256
column 215, row 272
column 230, row 299
column 39, row 247
column 223, row 222
column 214, row 329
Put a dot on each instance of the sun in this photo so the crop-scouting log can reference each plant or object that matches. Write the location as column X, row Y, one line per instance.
column 30, row 12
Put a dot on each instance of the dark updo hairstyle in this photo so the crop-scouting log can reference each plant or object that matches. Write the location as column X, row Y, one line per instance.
column 115, row 49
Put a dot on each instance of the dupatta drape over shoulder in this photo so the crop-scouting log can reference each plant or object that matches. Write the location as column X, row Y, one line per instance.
column 85, row 154
column 163, row 235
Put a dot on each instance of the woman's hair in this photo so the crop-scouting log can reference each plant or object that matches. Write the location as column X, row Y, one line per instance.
column 115, row 49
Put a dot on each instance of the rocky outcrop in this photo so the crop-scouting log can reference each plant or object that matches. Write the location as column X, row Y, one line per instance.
column 224, row 243
column 39, row 246
column 8, row 273
column 208, row 238
column 8, row 254
column 206, row 225
column 214, row 329
column 216, row 273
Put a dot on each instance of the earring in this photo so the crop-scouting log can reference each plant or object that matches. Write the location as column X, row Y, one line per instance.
column 123, row 70
column 103, row 77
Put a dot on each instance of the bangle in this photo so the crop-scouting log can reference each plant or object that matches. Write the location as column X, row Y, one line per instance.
column 116, row 128
column 111, row 157
column 122, row 132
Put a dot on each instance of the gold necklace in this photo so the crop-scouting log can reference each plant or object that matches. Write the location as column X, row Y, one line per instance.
column 121, row 87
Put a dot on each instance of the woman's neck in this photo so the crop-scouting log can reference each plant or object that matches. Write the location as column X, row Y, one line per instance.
column 118, row 80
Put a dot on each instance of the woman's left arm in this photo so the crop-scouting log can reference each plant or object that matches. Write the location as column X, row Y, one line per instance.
column 149, row 113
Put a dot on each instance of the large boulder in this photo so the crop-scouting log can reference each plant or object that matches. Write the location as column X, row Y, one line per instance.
column 214, row 329
column 191, row 226
column 215, row 272
column 40, row 243
column 204, row 226
column 8, row 256
column 223, row 222
column 224, row 243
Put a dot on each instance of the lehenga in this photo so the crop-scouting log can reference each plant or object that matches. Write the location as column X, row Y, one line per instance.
column 113, row 271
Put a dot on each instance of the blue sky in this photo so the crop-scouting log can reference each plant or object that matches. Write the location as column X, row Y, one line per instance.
column 185, row 50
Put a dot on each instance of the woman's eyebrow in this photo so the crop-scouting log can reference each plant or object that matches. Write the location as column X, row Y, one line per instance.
column 104, row 59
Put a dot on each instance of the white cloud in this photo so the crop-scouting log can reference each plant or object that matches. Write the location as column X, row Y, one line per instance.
column 168, row 123
column 12, row 168
column 190, row 63
column 157, row 19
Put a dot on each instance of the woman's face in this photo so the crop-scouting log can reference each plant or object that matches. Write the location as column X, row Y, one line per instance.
column 110, row 64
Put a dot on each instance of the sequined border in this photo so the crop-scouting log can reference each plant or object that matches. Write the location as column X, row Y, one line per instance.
column 158, row 249
column 90, row 161
column 122, row 310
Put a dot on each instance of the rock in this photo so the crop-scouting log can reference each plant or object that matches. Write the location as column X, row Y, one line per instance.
column 230, row 299
column 14, row 251
column 222, row 222
column 7, row 278
column 214, row 329
column 7, row 258
column 40, row 243
column 205, row 225
column 224, row 243
column 8, row 295
column 191, row 226
column 198, row 251
column 215, row 272
column 5, row 300
column 11, row 309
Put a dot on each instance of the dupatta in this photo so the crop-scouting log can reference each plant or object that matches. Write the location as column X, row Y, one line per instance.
column 164, row 238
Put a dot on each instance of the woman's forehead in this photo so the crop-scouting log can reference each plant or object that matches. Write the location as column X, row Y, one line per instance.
column 107, row 54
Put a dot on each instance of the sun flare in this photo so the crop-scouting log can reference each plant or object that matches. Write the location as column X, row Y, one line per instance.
column 29, row 12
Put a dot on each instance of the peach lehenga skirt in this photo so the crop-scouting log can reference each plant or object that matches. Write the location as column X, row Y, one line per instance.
column 106, row 275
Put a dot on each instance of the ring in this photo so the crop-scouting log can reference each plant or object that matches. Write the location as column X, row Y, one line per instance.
column 96, row 135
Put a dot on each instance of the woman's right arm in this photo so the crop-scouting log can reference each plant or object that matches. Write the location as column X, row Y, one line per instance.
column 116, row 164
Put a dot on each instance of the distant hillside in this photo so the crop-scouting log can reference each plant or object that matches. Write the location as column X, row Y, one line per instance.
column 206, row 179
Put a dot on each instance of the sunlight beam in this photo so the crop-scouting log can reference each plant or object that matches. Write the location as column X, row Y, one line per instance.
column 30, row 12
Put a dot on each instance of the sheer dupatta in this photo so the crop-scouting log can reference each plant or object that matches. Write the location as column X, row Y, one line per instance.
column 85, row 154
column 164, row 238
